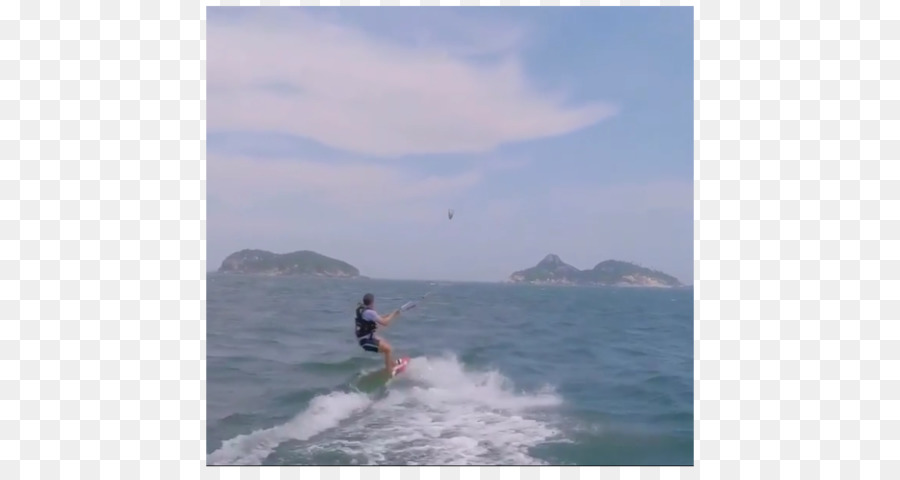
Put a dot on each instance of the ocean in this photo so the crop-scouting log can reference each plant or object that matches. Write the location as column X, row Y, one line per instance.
column 500, row 374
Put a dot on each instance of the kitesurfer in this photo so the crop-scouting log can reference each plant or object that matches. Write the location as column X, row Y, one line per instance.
column 367, row 322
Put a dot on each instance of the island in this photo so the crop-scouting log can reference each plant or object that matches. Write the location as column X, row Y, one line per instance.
column 553, row 271
column 301, row 263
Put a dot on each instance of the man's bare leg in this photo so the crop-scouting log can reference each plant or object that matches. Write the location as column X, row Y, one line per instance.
column 385, row 348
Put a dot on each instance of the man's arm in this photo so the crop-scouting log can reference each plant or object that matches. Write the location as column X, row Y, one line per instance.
column 386, row 320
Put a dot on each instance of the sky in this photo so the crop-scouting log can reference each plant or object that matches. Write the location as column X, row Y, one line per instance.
column 352, row 131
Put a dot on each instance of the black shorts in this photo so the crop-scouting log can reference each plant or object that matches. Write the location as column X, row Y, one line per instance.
column 369, row 343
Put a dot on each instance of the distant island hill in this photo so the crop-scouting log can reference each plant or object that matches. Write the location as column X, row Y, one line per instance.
column 301, row 263
column 553, row 271
column 549, row 271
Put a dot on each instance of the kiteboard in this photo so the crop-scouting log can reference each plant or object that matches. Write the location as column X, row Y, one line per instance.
column 400, row 367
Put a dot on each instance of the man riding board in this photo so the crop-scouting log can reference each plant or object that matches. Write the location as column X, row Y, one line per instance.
column 367, row 322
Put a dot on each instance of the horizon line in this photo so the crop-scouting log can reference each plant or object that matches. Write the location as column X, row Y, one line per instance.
column 431, row 280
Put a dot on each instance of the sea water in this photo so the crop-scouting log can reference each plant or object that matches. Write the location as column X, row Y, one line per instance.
column 500, row 375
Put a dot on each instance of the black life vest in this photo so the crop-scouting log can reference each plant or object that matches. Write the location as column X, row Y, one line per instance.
column 363, row 327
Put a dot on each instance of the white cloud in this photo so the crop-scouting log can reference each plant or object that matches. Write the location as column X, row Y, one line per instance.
column 351, row 90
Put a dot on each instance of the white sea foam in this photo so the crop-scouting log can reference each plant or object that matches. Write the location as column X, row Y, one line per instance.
column 324, row 412
column 439, row 413
column 434, row 413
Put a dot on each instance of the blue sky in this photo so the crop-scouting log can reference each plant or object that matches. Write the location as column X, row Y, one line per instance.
column 351, row 131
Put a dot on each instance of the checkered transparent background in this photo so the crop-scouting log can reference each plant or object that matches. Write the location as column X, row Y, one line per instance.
column 102, row 255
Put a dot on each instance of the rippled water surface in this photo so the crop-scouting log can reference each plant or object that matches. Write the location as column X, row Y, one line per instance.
column 500, row 374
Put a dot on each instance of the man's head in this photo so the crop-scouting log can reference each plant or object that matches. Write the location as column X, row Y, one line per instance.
column 368, row 299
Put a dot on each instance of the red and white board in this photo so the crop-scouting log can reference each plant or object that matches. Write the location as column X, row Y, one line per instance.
column 400, row 366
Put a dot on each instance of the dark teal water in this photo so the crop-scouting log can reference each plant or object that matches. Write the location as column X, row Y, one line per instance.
column 500, row 374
